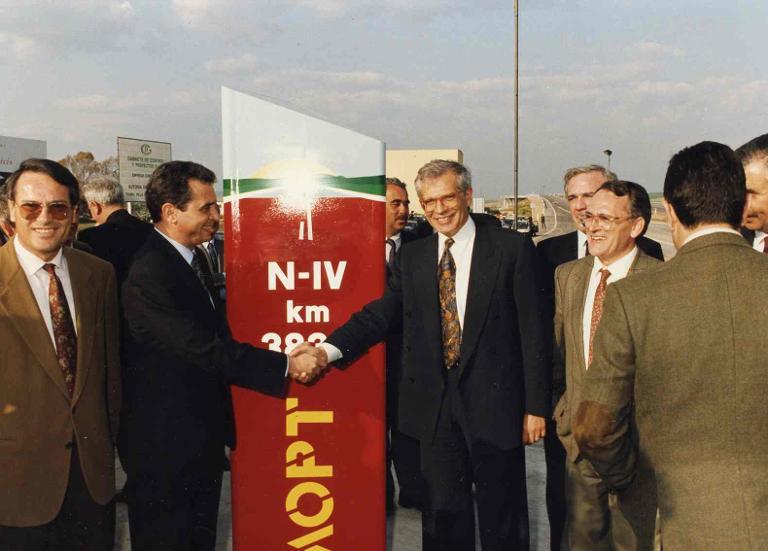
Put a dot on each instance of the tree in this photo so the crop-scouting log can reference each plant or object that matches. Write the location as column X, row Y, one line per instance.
column 84, row 166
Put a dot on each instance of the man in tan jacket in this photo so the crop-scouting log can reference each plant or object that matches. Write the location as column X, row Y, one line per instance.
column 686, row 344
column 616, row 215
column 59, row 374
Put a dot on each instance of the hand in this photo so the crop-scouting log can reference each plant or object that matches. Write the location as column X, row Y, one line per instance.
column 534, row 428
column 306, row 362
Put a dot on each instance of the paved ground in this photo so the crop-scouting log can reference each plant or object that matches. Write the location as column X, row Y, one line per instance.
column 403, row 528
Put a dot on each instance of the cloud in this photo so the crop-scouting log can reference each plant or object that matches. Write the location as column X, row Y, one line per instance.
column 21, row 48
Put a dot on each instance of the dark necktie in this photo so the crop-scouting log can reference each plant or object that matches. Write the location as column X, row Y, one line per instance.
column 203, row 272
column 392, row 251
column 63, row 328
column 214, row 256
column 597, row 308
column 765, row 244
column 586, row 248
column 449, row 312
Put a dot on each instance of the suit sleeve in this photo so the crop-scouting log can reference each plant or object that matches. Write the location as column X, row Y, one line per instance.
column 533, row 329
column 558, row 340
column 374, row 322
column 157, row 321
column 112, row 353
column 602, row 424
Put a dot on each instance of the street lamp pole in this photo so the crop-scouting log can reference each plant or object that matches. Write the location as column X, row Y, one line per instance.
column 608, row 154
column 517, row 98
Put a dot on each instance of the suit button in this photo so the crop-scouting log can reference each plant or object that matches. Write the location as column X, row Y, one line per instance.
column 69, row 445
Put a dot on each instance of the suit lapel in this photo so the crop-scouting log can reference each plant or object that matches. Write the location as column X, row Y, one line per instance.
column 425, row 283
column 482, row 274
column 580, row 285
column 20, row 306
column 85, row 306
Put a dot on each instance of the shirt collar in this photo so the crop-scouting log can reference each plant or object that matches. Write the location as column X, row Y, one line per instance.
column 187, row 253
column 464, row 235
column 709, row 231
column 31, row 263
column 395, row 237
column 618, row 268
column 760, row 235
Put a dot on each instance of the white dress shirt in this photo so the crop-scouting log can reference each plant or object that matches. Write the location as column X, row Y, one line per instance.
column 619, row 270
column 581, row 238
column 759, row 243
column 461, row 250
column 398, row 242
column 186, row 253
column 40, row 281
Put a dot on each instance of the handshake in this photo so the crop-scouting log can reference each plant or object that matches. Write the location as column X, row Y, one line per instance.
column 307, row 362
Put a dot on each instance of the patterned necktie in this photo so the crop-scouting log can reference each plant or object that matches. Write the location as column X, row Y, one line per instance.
column 392, row 251
column 63, row 328
column 597, row 308
column 449, row 312
column 203, row 272
column 214, row 256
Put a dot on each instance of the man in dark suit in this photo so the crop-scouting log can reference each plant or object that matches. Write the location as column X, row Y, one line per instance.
column 178, row 411
column 403, row 450
column 754, row 158
column 683, row 345
column 475, row 383
column 117, row 235
column 59, row 375
column 614, row 219
column 580, row 183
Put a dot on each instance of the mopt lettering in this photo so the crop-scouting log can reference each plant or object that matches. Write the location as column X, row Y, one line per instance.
column 301, row 463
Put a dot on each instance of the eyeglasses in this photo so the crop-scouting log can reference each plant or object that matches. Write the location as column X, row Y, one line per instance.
column 603, row 220
column 57, row 211
column 450, row 200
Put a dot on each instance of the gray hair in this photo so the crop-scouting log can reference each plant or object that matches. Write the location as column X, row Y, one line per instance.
column 103, row 189
column 396, row 182
column 438, row 167
column 5, row 215
column 575, row 171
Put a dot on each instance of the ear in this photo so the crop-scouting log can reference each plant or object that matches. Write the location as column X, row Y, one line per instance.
column 168, row 213
column 469, row 195
column 637, row 227
column 11, row 211
column 672, row 219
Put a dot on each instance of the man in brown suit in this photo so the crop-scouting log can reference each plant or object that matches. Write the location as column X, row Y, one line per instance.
column 686, row 342
column 59, row 379
column 616, row 215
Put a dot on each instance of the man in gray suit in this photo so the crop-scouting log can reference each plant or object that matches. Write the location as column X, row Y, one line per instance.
column 686, row 343
column 615, row 217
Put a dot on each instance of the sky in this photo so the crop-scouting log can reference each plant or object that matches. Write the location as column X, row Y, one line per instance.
column 643, row 78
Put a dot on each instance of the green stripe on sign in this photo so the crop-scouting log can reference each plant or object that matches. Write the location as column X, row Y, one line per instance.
column 372, row 185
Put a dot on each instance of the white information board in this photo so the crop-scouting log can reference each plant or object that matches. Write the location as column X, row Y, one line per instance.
column 137, row 160
column 15, row 150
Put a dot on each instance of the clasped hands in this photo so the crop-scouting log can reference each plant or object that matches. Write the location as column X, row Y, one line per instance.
column 306, row 363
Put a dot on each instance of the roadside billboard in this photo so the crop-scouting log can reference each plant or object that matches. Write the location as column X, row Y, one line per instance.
column 137, row 160
column 304, row 211
column 15, row 150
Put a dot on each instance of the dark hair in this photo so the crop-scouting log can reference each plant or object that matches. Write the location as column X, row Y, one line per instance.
column 51, row 168
column 169, row 183
column 754, row 150
column 705, row 183
column 639, row 201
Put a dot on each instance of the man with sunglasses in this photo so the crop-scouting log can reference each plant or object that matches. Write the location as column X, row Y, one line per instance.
column 615, row 217
column 59, row 376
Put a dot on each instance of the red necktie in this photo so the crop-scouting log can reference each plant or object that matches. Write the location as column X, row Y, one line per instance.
column 449, row 312
column 63, row 328
column 765, row 244
column 597, row 308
